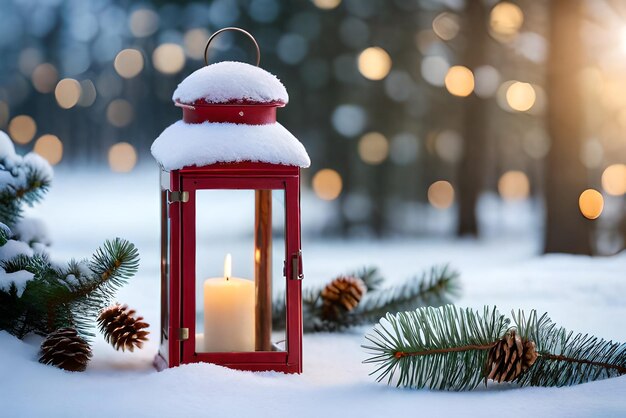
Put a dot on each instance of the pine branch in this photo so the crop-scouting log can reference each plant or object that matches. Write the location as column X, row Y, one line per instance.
column 441, row 348
column 435, row 287
column 451, row 349
column 29, row 192
column 91, row 290
column 566, row 358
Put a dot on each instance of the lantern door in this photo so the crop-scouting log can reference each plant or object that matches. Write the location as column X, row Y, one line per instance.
column 241, row 268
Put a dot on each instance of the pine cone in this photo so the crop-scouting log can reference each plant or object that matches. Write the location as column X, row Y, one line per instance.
column 121, row 329
column 65, row 349
column 342, row 295
column 510, row 357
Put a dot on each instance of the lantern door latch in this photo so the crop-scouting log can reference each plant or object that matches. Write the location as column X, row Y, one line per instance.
column 180, row 196
column 296, row 266
column 183, row 334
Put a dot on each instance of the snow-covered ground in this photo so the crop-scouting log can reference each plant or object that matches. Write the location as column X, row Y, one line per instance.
column 83, row 209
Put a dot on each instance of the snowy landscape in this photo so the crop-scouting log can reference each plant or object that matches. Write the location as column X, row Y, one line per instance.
column 580, row 293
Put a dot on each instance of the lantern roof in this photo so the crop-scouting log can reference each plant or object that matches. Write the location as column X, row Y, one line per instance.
column 188, row 144
column 231, row 82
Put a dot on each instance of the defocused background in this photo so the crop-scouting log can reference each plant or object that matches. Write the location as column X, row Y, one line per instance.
column 422, row 117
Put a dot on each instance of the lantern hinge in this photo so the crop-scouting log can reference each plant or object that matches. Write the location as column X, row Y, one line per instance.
column 183, row 334
column 296, row 266
column 181, row 197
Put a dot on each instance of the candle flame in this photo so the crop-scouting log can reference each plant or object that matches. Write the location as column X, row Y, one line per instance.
column 228, row 266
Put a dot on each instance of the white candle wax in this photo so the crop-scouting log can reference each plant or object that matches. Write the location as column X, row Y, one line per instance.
column 229, row 313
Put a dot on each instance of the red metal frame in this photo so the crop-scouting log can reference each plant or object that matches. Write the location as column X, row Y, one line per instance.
column 250, row 113
column 182, row 309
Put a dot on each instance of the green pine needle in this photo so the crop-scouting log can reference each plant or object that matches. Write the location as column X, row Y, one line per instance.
column 441, row 348
column 434, row 287
column 446, row 348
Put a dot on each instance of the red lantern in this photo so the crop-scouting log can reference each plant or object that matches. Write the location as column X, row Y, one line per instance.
column 229, row 140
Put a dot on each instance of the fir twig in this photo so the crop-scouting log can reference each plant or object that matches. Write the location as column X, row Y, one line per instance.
column 566, row 358
column 434, row 287
column 447, row 348
column 440, row 348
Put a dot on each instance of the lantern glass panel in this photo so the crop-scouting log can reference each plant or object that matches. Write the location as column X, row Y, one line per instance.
column 233, row 296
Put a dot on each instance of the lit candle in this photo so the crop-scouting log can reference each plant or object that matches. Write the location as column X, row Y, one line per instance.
column 228, row 312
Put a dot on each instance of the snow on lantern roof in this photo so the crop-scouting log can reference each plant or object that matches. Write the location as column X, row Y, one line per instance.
column 229, row 81
column 185, row 144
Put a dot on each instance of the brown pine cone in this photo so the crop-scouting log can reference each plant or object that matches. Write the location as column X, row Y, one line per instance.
column 121, row 329
column 342, row 295
column 510, row 357
column 65, row 349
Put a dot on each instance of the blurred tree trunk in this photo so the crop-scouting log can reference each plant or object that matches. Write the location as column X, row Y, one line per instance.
column 471, row 170
column 566, row 229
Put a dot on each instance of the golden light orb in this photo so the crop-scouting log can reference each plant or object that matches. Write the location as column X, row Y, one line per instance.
column 441, row 194
column 459, row 81
column 591, row 203
column 327, row 184
column 374, row 63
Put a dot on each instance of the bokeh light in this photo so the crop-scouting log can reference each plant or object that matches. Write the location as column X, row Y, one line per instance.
column 449, row 146
column 614, row 179
column 87, row 93
column 373, row 148
column 446, row 26
column 49, row 147
column 45, row 77
column 327, row 184
column 143, row 22
column 22, row 129
column 195, row 41
column 514, row 185
column 441, row 194
column 67, row 93
column 591, row 203
column 487, row 80
column 120, row 113
column 591, row 153
column 506, row 19
column 168, row 58
column 122, row 157
column 520, row 96
column 404, row 148
column 374, row 63
column 434, row 69
column 459, row 81
column 326, row 4
column 128, row 63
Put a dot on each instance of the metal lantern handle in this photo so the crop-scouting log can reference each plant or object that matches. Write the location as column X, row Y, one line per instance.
column 245, row 32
